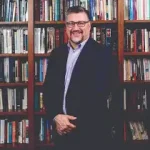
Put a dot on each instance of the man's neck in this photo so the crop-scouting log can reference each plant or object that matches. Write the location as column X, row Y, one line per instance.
column 73, row 45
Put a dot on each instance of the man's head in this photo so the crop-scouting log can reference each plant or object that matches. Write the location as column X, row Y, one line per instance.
column 77, row 24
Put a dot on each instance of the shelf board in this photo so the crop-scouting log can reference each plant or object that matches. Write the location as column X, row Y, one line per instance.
column 12, row 113
column 14, row 23
column 40, row 113
column 42, row 55
column 39, row 83
column 50, row 22
column 44, row 144
column 136, row 82
column 137, row 21
column 137, row 142
column 135, row 115
column 63, row 22
column 13, row 84
column 136, row 111
column 13, row 55
column 136, row 53
column 13, row 146
column 104, row 22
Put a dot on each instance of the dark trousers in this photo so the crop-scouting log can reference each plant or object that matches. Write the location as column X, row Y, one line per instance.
column 69, row 141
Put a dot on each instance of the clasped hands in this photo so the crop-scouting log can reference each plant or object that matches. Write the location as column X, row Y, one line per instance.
column 63, row 124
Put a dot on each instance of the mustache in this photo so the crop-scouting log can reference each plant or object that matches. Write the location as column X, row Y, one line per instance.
column 76, row 31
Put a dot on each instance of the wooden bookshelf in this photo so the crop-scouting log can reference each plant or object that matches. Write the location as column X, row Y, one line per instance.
column 14, row 55
column 40, row 113
column 42, row 55
column 120, row 25
column 12, row 113
column 14, row 146
column 13, row 84
column 136, row 82
column 63, row 22
column 13, row 23
column 32, row 85
column 143, row 113
column 39, row 83
column 45, row 145
column 31, row 74
column 138, row 142
column 137, row 21
column 145, row 54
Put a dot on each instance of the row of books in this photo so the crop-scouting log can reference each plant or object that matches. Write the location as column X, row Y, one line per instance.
column 13, row 70
column 138, row 130
column 13, row 132
column 40, row 69
column 137, row 9
column 55, row 10
column 105, row 36
column 137, row 40
column 135, row 99
column 136, row 69
column 13, row 99
column 44, row 130
column 16, row 70
column 46, row 39
column 13, row 40
column 16, row 10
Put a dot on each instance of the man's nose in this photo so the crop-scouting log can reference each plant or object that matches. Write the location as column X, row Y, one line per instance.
column 75, row 26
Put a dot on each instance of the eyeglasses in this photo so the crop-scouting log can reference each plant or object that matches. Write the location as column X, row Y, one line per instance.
column 79, row 23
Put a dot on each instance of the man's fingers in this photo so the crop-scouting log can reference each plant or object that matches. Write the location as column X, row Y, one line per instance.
column 71, row 117
column 70, row 125
column 63, row 124
column 59, row 131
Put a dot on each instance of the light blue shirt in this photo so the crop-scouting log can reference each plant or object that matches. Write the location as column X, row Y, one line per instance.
column 71, row 61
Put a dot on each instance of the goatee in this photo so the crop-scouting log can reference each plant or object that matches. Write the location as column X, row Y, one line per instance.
column 79, row 32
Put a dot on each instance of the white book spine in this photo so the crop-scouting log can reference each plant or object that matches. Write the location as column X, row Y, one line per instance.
column 2, row 131
column 1, row 101
column 124, row 99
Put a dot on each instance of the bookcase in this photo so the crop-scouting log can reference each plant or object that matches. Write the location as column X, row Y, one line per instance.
column 38, row 28
column 134, row 73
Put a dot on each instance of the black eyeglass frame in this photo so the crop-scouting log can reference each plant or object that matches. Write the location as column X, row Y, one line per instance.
column 71, row 24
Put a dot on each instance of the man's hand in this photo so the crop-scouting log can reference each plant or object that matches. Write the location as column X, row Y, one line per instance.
column 63, row 124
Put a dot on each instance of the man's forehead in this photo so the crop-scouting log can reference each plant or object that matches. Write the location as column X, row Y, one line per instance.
column 77, row 16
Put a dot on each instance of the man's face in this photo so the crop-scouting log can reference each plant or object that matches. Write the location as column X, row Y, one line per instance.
column 78, row 32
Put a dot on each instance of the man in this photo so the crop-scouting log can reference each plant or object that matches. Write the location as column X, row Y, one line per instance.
column 77, row 86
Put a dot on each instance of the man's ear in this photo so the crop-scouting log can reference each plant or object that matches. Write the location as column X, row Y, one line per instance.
column 89, row 25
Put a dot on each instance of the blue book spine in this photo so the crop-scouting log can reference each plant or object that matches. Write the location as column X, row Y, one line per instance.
column 41, row 70
column 131, row 10
column 10, row 132
column 92, row 9
column 56, row 10
column 41, row 135
column 7, row 10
